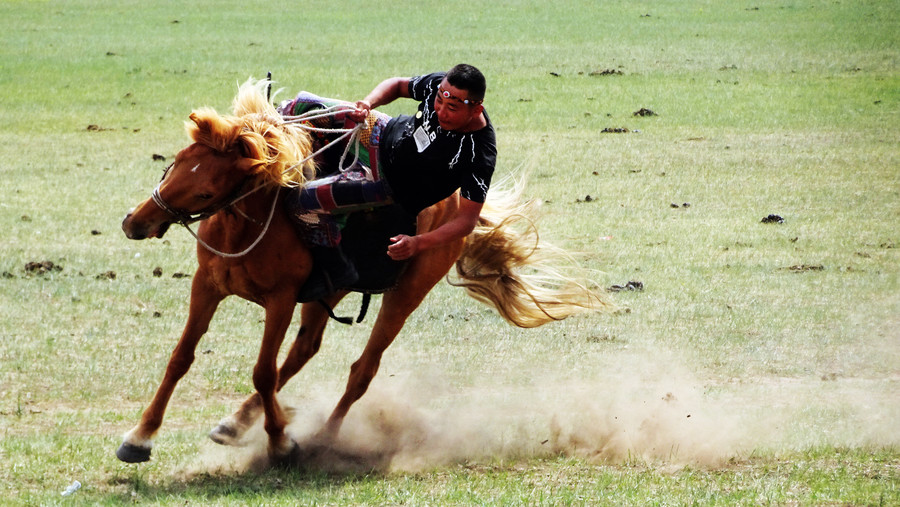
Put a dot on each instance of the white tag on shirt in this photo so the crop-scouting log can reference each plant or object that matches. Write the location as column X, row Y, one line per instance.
column 422, row 139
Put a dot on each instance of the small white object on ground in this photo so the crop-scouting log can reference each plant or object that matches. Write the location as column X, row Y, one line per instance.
column 72, row 488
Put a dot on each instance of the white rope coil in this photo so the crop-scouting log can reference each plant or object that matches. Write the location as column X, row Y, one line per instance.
column 301, row 121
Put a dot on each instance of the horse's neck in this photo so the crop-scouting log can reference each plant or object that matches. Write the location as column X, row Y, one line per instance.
column 248, row 215
column 258, row 201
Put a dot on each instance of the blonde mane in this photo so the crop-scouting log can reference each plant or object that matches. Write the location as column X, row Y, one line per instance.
column 257, row 129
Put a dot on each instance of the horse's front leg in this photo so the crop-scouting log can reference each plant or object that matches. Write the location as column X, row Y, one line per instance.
column 204, row 301
column 279, row 311
column 313, row 320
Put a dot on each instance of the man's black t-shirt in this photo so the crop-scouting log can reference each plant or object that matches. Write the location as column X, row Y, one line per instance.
column 423, row 163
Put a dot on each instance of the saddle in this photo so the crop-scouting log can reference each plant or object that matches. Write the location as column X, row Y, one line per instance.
column 364, row 242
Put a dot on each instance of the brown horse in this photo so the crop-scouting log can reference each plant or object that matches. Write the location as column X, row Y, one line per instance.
column 232, row 178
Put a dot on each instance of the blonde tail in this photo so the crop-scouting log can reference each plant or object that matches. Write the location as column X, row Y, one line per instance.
column 505, row 265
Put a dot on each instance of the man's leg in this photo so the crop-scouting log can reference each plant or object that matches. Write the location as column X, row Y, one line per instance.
column 317, row 209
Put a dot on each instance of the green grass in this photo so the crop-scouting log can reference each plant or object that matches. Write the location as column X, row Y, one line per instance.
column 790, row 376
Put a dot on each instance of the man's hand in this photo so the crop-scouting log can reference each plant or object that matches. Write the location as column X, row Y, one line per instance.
column 361, row 112
column 403, row 247
column 385, row 92
column 460, row 226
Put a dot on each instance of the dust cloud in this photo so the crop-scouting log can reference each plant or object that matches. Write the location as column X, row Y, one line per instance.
column 643, row 410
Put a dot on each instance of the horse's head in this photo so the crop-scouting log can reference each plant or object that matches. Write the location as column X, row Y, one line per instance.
column 227, row 152
column 200, row 182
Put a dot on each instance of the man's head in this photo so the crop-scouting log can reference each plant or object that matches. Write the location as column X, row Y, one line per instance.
column 467, row 77
column 459, row 101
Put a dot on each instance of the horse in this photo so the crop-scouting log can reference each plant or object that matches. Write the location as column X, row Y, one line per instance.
column 233, row 179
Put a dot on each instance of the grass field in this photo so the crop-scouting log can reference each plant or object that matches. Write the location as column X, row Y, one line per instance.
column 760, row 364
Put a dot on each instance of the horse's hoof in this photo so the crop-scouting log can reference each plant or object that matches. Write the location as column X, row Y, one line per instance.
column 130, row 453
column 290, row 460
column 224, row 435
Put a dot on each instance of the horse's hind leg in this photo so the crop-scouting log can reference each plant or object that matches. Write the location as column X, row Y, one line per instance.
column 137, row 443
column 313, row 320
column 396, row 306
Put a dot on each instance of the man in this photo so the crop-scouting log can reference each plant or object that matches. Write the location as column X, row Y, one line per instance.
column 448, row 145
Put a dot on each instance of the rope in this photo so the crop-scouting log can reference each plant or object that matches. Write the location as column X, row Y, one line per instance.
column 316, row 114
column 352, row 133
column 253, row 245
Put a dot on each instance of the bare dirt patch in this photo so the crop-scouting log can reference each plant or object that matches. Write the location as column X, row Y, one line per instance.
column 42, row 267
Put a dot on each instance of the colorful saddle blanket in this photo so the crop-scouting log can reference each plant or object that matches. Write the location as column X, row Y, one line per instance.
column 366, row 151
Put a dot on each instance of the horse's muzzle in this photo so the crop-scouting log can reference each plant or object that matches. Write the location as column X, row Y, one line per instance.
column 134, row 229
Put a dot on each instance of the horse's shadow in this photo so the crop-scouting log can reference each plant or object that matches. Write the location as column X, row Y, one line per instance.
column 313, row 467
column 314, row 456
column 383, row 436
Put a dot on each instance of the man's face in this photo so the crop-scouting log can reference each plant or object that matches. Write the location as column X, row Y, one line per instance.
column 452, row 112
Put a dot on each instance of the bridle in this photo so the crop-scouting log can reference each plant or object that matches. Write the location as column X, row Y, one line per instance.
column 186, row 218
column 179, row 216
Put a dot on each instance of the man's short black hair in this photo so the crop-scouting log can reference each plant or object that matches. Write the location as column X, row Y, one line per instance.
column 467, row 77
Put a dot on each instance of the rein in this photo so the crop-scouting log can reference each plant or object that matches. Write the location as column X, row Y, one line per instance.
column 252, row 245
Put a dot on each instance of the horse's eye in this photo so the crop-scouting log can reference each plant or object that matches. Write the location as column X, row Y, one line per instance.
column 205, row 197
column 166, row 171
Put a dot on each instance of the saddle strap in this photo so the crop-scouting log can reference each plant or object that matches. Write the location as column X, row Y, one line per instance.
column 364, row 309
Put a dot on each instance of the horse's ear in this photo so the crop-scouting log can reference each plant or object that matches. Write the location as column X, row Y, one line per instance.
column 248, row 165
column 245, row 146
column 201, row 127
column 201, row 121
column 248, row 157
column 252, row 149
